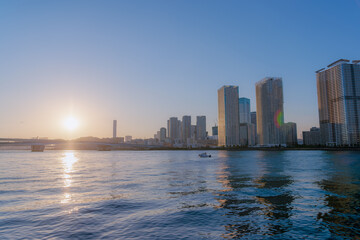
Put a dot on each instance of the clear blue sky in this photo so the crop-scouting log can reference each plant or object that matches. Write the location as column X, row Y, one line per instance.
column 141, row 62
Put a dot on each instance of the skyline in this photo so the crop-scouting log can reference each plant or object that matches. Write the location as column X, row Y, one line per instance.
column 142, row 63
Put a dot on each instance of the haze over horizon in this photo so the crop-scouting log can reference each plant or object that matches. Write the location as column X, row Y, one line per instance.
column 141, row 62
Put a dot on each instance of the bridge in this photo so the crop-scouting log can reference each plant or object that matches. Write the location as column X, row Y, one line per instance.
column 73, row 145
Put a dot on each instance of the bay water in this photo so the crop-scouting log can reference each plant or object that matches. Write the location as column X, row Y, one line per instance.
column 177, row 195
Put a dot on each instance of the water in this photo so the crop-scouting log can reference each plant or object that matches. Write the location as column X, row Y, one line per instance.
column 176, row 195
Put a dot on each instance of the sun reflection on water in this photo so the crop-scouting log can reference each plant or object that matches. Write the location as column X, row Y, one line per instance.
column 68, row 161
column 67, row 198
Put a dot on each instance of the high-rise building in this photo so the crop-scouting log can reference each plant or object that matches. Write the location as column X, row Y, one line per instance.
column 168, row 128
column 253, row 121
column 215, row 130
column 269, row 110
column 228, row 113
column 114, row 128
column 193, row 132
column 179, row 130
column 173, row 128
column 162, row 134
column 289, row 132
column 186, row 128
column 157, row 135
column 247, row 134
column 253, row 117
column 312, row 137
column 244, row 110
column 338, row 89
column 201, row 127
column 246, row 128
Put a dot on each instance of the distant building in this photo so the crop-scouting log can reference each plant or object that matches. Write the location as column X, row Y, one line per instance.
column 253, row 121
column 193, row 132
column 179, row 131
column 151, row 141
column 114, row 128
column 251, row 135
column 247, row 134
column 253, row 117
column 117, row 140
column 201, row 127
column 338, row 89
column 157, row 136
column 289, row 132
column 137, row 141
column 173, row 128
column 162, row 134
column 128, row 139
column 312, row 137
column 214, row 130
column 186, row 128
column 228, row 113
column 269, row 110
column 168, row 129
column 244, row 110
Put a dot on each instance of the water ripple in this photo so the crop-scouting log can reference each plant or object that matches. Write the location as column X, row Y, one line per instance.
column 176, row 195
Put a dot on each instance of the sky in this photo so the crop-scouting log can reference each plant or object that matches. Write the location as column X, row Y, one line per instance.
column 141, row 62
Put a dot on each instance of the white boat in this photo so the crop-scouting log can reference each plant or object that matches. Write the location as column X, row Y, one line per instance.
column 204, row 155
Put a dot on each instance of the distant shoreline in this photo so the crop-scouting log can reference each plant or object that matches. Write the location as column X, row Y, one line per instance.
column 342, row 149
column 242, row 149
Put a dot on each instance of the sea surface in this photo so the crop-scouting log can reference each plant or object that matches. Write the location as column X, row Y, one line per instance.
column 177, row 195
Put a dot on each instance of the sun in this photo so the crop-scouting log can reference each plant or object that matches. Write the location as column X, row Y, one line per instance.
column 71, row 123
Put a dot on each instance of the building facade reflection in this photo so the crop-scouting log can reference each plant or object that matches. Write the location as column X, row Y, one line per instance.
column 240, row 218
column 342, row 197
column 255, row 197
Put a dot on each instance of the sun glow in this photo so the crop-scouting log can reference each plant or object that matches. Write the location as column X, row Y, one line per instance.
column 71, row 123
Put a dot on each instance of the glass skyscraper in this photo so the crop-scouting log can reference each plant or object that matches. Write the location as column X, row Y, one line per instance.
column 247, row 129
column 244, row 110
column 338, row 89
column 269, row 110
